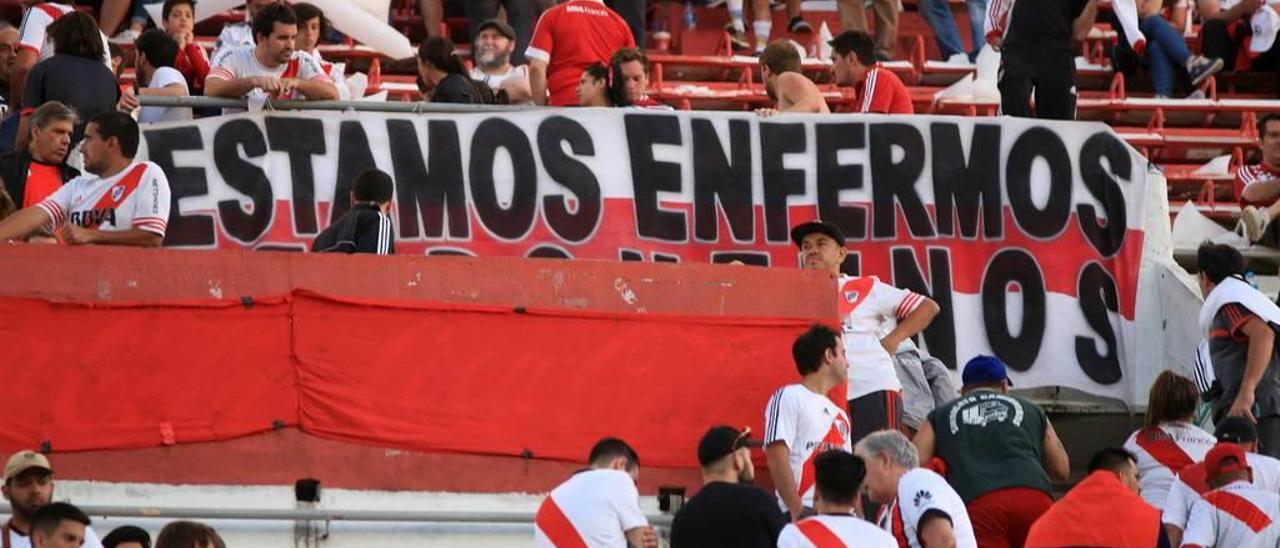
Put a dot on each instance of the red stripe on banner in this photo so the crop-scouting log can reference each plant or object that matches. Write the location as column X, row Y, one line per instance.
column 1060, row 259
column 1164, row 449
column 1240, row 508
column 556, row 526
column 819, row 534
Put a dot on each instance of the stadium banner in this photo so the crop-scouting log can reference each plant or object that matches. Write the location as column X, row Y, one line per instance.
column 1028, row 233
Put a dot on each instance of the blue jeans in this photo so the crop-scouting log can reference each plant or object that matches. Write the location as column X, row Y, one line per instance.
column 139, row 13
column 1166, row 52
column 937, row 13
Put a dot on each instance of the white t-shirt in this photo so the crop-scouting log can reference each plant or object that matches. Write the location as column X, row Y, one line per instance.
column 495, row 81
column 164, row 77
column 243, row 63
column 233, row 37
column 1189, row 485
column 32, row 34
column 1164, row 451
column 809, row 424
column 870, row 310
column 826, row 530
column 91, row 540
column 920, row 491
column 596, row 506
column 1238, row 515
column 137, row 197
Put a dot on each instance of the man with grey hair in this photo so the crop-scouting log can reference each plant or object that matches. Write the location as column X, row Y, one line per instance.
column 33, row 173
column 918, row 507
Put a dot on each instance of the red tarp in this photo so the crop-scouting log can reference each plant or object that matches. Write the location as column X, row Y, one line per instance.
column 388, row 373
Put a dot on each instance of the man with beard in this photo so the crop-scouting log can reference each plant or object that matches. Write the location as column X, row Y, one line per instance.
column 493, row 45
column 28, row 485
column 780, row 69
column 728, row 511
column 273, row 65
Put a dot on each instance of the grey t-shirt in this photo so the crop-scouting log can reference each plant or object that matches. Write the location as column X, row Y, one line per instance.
column 1229, row 348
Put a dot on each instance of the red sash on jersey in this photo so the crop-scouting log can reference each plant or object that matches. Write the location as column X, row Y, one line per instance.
column 52, row 12
column 853, row 292
column 559, row 530
column 1239, row 508
column 894, row 514
column 834, row 438
column 129, row 184
column 819, row 534
column 290, row 70
column 1195, row 477
column 1164, row 449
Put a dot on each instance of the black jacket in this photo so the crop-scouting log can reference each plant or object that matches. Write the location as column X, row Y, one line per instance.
column 363, row 229
column 14, row 167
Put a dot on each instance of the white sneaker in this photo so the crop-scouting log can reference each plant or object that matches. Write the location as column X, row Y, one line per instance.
column 1254, row 222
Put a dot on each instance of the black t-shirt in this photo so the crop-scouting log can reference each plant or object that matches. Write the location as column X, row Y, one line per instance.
column 1043, row 24
column 86, row 85
column 456, row 88
column 728, row 514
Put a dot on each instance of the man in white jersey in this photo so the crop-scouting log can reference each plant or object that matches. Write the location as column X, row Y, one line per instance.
column 801, row 421
column 273, row 65
column 919, row 508
column 156, row 54
column 238, row 35
column 599, row 506
column 1235, row 513
column 836, row 524
column 876, row 318
column 1168, row 442
column 121, row 202
column 28, row 486
column 34, row 44
column 1192, row 482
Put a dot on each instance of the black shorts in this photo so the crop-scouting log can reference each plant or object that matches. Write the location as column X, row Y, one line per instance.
column 874, row 412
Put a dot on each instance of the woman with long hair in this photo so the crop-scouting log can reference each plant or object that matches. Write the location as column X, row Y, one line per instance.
column 601, row 86
column 1168, row 441
column 445, row 77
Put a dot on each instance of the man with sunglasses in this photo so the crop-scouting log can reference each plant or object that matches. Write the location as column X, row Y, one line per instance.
column 728, row 510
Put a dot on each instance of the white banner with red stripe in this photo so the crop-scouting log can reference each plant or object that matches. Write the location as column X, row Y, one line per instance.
column 1030, row 234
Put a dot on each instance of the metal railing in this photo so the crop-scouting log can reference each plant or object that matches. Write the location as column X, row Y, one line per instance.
column 360, row 106
column 304, row 514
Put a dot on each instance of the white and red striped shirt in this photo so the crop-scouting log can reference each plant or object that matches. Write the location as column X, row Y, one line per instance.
column 870, row 310
column 33, row 36
column 137, row 197
column 830, row 531
column 1162, row 452
column 1190, row 484
column 592, row 508
column 1237, row 515
column 243, row 63
column 809, row 424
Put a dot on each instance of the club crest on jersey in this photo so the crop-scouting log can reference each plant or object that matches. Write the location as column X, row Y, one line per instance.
column 850, row 296
column 842, row 427
column 117, row 192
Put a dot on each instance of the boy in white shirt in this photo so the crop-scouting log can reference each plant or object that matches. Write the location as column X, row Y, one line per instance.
column 156, row 54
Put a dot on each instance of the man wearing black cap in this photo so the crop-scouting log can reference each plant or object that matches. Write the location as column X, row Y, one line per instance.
column 1192, row 483
column 877, row 321
column 999, row 451
column 493, row 47
column 521, row 14
column 728, row 511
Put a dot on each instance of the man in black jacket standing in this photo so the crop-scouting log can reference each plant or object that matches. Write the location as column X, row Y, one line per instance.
column 366, row 228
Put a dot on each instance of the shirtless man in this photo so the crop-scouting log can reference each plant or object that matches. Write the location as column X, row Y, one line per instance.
column 780, row 69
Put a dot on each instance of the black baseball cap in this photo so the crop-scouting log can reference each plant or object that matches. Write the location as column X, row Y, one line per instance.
column 799, row 231
column 1236, row 430
column 723, row 440
column 499, row 25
